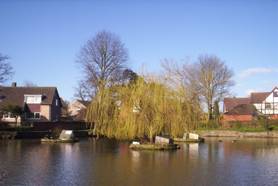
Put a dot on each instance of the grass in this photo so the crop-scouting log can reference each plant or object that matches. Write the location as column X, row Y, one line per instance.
column 243, row 128
column 254, row 126
column 249, row 129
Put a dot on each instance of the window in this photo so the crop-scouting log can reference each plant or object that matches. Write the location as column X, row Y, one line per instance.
column 12, row 115
column 275, row 106
column 34, row 115
column 275, row 94
column 9, row 115
column 57, row 102
column 33, row 99
column 30, row 115
column 37, row 115
column 268, row 106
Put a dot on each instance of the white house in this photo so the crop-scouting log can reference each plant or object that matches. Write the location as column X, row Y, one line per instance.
column 240, row 109
column 266, row 103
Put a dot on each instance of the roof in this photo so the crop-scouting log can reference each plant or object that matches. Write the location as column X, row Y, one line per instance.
column 259, row 97
column 255, row 97
column 85, row 103
column 230, row 103
column 15, row 95
column 81, row 115
column 243, row 109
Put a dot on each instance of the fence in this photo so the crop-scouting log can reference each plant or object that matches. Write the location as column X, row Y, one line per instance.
column 67, row 125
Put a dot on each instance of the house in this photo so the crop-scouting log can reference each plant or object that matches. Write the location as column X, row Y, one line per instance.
column 77, row 109
column 244, row 109
column 37, row 103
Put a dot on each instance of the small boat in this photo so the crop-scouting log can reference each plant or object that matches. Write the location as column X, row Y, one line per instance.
column 190, row 138
column 66, row 136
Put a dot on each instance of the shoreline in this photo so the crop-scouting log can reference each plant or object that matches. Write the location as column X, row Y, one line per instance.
column 30, row 134
column 237, row 134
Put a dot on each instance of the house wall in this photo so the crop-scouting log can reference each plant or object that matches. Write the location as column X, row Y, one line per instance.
column 56, row 108
column 46, row 112
column 75, row 107
column 270, row 100
column 274, row 117
column 242, row 118
column 34, row 107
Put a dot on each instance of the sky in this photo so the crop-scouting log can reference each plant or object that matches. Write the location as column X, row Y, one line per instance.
column 44, row 38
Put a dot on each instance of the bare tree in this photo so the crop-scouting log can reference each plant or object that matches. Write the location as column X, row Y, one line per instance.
column 84, row 91
column 212, row 79
column 65, row 108
column 6, row 70
column 102, row 59
column 181, row 76
column 207, row 80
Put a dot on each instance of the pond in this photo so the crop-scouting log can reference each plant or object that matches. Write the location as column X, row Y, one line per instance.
column 108, row 162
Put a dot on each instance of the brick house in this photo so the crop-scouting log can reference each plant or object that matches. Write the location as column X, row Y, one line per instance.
column 245, row 109
column 37, row 103
column 77, row 109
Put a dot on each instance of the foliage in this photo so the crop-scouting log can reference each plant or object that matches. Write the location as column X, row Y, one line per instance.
column 142, row 108
column 171, row 104
column 55, row 132
column 13, row 109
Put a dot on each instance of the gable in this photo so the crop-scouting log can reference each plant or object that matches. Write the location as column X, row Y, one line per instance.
column 273, row 96
column 259, row 97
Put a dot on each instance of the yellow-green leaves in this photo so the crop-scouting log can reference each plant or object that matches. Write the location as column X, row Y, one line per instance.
column 142, row 109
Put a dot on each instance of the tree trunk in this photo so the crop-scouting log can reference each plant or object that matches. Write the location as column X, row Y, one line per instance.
column 151, row 137
column 210, row 117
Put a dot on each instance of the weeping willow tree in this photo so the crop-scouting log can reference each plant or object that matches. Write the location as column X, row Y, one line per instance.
column 101, row 112
column 144, row 108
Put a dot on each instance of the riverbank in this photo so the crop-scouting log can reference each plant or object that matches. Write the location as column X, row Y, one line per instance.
column 237, row 134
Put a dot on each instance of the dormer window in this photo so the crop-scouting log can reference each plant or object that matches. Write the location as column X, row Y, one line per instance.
column 33, row 99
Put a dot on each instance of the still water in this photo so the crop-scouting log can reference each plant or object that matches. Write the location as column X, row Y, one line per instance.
column 107, row 162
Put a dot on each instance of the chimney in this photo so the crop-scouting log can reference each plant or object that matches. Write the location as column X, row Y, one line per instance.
column 13, row 84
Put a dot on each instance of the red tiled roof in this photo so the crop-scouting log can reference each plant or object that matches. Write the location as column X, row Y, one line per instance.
column 243, row 109
column 230, row 103
column 259, row 97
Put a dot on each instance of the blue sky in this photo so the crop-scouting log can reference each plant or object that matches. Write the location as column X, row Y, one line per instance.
column 43, row 38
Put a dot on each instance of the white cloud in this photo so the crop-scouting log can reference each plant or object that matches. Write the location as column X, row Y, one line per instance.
column 254, row 71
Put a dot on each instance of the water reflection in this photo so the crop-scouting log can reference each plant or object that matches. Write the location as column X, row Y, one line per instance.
column 108, row 162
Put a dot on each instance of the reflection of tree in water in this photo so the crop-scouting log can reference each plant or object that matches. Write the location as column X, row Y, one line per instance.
column 3, row 175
